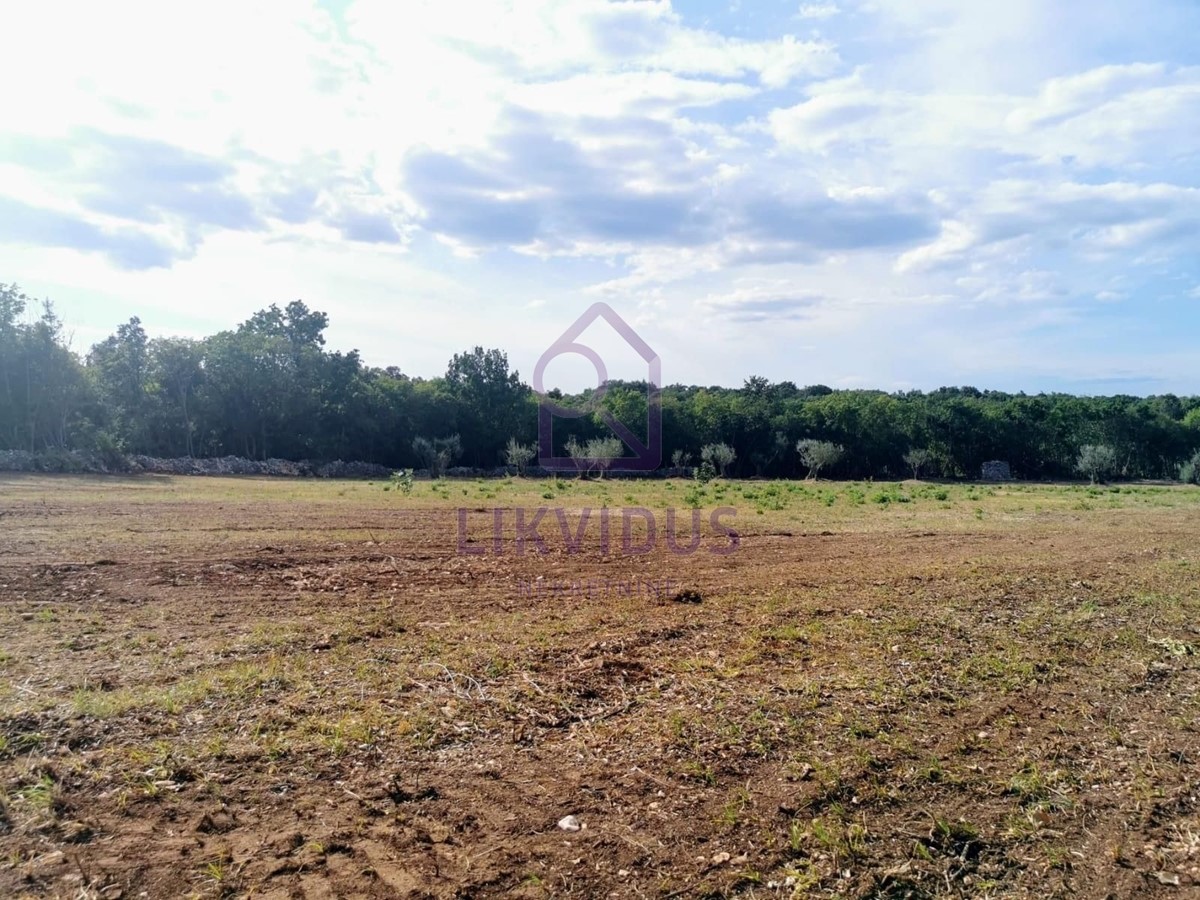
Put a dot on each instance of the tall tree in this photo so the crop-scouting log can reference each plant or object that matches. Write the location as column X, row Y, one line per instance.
column 177, row 373
column 120, row 366
column 489, row 398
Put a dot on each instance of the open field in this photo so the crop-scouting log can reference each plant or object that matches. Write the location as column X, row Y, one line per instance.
column 226, row 687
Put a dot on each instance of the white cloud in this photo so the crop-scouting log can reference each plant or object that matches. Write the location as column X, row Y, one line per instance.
column 915, row 156
column 1108, row 116
column 818, row 10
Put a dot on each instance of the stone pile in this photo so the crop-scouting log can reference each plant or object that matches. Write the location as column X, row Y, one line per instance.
column 65, row 461
column 996, row 470
column 78, row 462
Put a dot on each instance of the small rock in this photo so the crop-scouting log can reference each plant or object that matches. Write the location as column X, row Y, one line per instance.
column 569, row 823
column 719, row 858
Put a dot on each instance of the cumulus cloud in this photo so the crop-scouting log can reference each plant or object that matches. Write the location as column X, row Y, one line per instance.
column 127, row 248
column 136, row 179
column 532, row 185
column 935, row 153
column 1093, row 219
column 1108, row 116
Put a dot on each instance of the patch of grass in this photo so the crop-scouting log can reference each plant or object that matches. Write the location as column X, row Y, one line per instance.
column 731, row 811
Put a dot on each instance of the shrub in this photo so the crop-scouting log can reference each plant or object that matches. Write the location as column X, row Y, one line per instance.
column 1189, row 472
column 437, row 453
column 110, row 451
column 681, row 459
column 402, row 480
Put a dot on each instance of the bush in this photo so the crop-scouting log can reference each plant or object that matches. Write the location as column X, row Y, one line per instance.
column 1189, row 472
column 402, row 481
column 438, row 453
column 111, row 453
column 681, row 459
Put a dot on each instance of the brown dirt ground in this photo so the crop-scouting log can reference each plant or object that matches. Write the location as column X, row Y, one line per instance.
column 300, row 696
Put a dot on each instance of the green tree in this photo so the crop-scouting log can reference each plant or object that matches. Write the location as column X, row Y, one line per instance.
column 120, row 366
column 488, row 399
column 917, row 459
column 818, row 455
column 1097, row 461
column 43, row 390
column 518, row 455
column 12, row 366
column 719, row 456
column 177, row 372
column 1189, row 472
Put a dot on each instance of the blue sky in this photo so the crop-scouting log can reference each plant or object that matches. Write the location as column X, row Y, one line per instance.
column 869, row 193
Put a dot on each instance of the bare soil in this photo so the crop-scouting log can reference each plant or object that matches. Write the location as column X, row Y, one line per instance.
column 249, row 688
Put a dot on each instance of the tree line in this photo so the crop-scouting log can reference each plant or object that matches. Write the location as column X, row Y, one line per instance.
column 270, row 388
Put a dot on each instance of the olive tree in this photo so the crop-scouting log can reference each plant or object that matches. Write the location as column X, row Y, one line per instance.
column 719, row 456
column 597, row 454
column 818, row 455
column 605, row 451
column 518, row 455
column 917, row 459
column 1189, row 472
column 1096, row 461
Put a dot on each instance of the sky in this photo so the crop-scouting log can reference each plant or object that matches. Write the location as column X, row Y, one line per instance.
column 888, row 194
